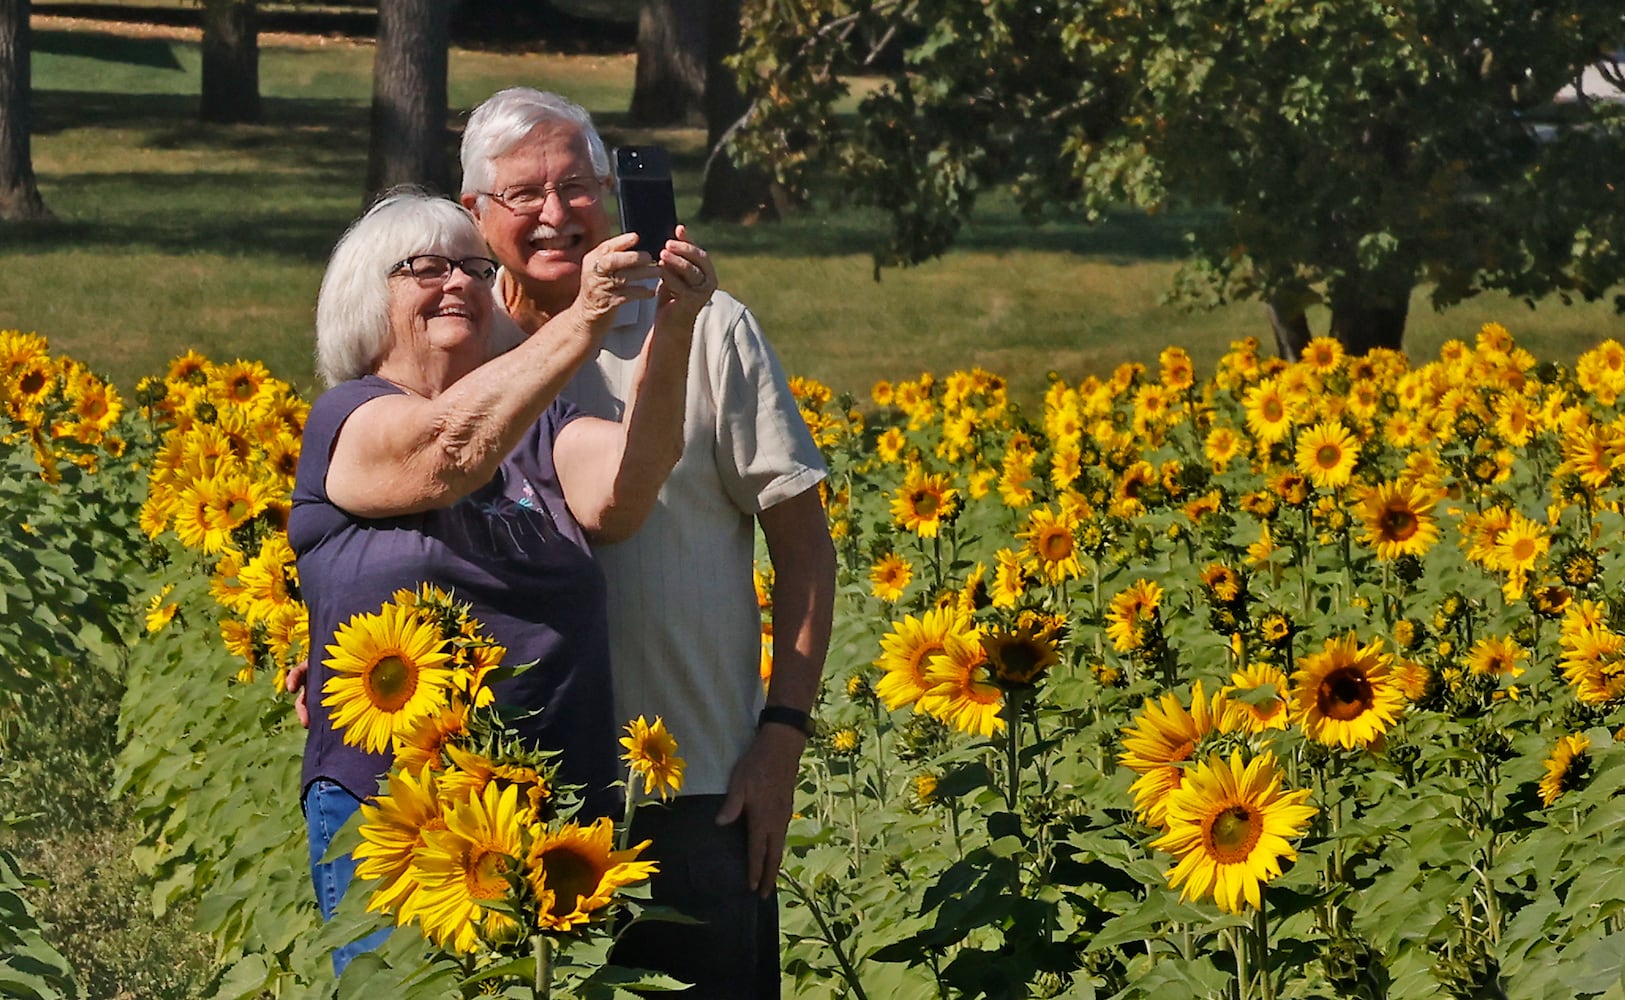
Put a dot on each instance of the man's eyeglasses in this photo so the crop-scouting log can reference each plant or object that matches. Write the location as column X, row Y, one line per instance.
column 527, row 199
column 432, row 268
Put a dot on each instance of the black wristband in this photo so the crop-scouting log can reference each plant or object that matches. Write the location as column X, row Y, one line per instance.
column 784, row 715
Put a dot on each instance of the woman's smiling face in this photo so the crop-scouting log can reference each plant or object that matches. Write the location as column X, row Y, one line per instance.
column 449, row 315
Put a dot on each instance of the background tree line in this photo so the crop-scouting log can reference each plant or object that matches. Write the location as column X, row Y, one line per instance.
column 1353, row 150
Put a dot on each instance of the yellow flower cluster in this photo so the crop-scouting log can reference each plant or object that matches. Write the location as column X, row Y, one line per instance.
column 65, row 413
column 1354, row 539
column 221, row 483
column 473, row 842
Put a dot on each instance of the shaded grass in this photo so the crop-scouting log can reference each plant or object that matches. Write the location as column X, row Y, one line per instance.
column 57, row 757
column 175, row 235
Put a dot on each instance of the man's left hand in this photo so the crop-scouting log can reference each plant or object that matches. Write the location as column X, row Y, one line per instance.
column 762, row 790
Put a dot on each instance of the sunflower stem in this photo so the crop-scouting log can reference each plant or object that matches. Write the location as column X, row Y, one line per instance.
column 1012, row 744
column 1244, row 979
column 848, row 972
column 542, row 985
column 624, row 834
column 1261, row 939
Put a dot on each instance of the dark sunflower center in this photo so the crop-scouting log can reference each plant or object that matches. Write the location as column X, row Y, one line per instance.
column 1327, row 456
column 242, row 389
column 32, row 383
column 1272, row 410
column 1345, row 694
column 391, row 682
column 1019, row 661
column 1056, row 545
column 237, row 510
column 925, row 504
column 1233, row 833
column 1398, row 524
column 570, row 876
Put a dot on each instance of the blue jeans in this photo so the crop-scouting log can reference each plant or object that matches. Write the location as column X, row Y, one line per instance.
column 327, row 807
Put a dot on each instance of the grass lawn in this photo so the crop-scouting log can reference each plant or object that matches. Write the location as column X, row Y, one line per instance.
column 172, row 234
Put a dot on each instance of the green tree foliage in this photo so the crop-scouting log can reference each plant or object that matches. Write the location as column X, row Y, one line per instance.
column 1358, row 148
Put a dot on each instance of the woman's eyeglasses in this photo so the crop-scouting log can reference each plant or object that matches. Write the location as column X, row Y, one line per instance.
column 432, row 268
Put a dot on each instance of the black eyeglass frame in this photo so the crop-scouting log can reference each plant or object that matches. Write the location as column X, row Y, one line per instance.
column 464, row 264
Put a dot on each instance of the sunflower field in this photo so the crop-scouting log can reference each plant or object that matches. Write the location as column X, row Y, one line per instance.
column 1289, row 680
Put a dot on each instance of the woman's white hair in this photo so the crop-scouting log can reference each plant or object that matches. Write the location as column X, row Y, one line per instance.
column 352, row 309
column 507, row 117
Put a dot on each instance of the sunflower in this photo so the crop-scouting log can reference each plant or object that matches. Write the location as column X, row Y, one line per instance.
column 160, row 614
column 1269, row 418
column 191, row 368
column 1222, row 583
column 651, row 753
column 1130, row 485
column 1398, row 520
column 1015, row 473
column 1593, row 659
column 923, row 502
column 1019, row 658
column 1343, row 695
column 1566, row 768
column 1052, row 545
column 1223, row 444
column 1494, row 656
column 1411, row 678
column 238, row 383
column 1178, row 374
column 268, row 581
column 465, row 868
column 1327, row 453
column 388, row 672
column 1323, row 354
column 575, row 872
column 392, row 831
column 1255, row 700
column 424, row 742
column 890, row 444
column 890, row 576
column 1010, row 579
column 1520, row 545
column 906, row 651
column 1131, row 611
column 1230, row 826
column 1161, row 737
column 959, row 686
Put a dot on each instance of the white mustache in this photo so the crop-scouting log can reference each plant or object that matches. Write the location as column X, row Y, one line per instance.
column 543, row 231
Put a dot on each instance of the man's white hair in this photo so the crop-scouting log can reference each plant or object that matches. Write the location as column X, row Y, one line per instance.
column 352, row 309
column 507, row 117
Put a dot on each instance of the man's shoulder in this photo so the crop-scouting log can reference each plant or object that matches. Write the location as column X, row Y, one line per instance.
column 721, row 315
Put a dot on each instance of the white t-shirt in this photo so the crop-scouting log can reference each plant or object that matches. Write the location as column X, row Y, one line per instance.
column 685, row 630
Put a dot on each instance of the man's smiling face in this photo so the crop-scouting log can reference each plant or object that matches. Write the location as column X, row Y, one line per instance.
column 545, row 245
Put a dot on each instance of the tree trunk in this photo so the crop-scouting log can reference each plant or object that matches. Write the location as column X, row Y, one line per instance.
column 1365, row 317
column 231, row 62
column 409, row 139
column 730, row 193
column 19, row 194
column 1290, row 325
column 669, row 85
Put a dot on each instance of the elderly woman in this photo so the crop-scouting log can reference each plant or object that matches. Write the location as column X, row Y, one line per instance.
column 430, row 459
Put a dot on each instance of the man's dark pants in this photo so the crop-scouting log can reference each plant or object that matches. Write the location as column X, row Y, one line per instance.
column 734, row 953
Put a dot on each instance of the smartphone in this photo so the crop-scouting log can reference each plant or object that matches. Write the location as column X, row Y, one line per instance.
column 648, row 205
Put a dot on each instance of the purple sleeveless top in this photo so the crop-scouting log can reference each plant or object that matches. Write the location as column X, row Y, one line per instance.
column 511, row 549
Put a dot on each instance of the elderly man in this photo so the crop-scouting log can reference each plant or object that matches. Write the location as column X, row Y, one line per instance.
column 685, row 627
